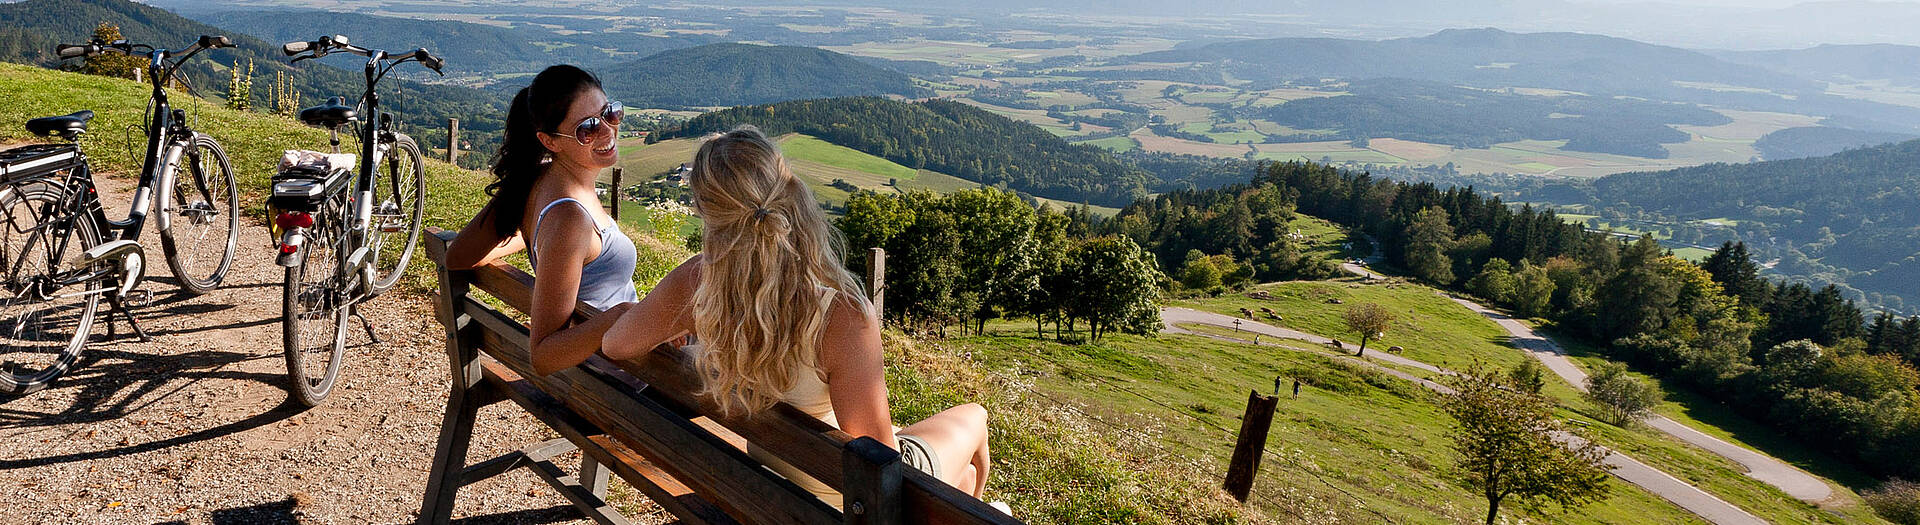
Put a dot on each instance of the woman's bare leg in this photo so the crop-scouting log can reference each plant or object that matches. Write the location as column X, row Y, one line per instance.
column 958, row 436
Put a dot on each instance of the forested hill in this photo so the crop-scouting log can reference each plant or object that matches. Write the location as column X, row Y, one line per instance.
column 472, row 47
column 1855, row 213
column 739, row 74
column 29, row 31
column 948, row 137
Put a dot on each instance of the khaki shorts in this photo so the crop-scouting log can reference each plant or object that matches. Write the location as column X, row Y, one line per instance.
column 915, row 453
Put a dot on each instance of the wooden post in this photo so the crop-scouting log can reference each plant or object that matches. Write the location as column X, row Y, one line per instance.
column 615, row 193
column 877, row 278
column 453, row 139
column 873, row 483
column 1252, row 442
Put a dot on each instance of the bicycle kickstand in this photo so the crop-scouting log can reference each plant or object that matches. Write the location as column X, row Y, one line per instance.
column 118, row 306
column 364, row 323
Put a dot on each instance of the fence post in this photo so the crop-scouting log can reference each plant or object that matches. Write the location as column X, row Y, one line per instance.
column 877, row 278
column 615, row 193
column 1252, row 442
column 453, row 139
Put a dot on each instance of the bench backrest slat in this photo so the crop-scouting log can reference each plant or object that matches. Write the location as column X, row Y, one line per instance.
column 689, row 453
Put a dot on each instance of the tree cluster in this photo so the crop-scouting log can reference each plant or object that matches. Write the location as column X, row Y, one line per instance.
column 976, row 255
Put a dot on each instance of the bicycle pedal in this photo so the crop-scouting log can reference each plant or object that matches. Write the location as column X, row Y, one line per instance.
column 137, row 298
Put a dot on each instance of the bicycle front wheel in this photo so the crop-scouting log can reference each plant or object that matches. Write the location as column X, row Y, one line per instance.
column 43, row 327
column 399, row 197
column 313, row 318
column 203, row 225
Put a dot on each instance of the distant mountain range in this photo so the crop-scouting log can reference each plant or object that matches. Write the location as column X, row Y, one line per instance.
column 1838, row 63
column 743, row 74
column 1492, row 58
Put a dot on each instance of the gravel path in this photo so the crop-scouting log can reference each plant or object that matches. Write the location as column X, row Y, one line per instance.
column 196, row 426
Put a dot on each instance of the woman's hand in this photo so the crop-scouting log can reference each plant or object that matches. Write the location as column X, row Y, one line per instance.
column 664, row 314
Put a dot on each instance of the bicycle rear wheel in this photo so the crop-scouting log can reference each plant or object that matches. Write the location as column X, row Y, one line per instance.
column 399, row 197
column 41, row 333
column 314, row 315
column 203, row 225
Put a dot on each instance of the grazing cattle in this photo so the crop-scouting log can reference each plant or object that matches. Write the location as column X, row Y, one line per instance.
column 1395, row 349
column 1335, row 344
column 1246, row 312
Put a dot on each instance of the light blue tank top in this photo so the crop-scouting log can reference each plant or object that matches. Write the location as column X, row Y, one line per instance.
column 607, row 280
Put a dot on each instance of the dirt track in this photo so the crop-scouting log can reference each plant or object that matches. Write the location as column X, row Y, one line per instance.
column 196, row 427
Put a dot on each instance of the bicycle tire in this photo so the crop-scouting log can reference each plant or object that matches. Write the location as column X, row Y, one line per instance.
column 22, row 331
column 399, row 190
column 194, row 197
column 314, row 314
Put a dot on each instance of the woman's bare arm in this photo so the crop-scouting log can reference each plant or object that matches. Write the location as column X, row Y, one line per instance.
column 850, row 353
column 567, row 244
column 479, row 242
column 664, row 314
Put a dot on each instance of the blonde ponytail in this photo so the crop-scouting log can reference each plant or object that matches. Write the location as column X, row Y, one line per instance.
column 772, row 272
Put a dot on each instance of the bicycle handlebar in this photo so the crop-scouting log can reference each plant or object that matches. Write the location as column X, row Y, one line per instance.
column 71, row 51
column 339, row 43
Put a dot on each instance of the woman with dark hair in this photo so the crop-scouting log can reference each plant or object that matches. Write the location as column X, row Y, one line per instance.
column 560, row 133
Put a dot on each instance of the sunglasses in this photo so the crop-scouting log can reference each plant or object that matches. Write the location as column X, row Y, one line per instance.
column 595, row 129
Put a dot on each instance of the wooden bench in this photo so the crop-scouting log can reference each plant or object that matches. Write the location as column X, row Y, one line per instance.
column 639, row 420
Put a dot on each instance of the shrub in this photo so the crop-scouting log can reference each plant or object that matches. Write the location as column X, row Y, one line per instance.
column 1897, row 500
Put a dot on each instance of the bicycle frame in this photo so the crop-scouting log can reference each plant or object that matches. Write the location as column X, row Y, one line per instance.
column 167, row 139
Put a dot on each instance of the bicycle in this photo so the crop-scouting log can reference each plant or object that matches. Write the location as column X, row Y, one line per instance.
column 342, row 246
column 60, row 254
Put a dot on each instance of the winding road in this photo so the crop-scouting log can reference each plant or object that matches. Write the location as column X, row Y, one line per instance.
column 1793, row 481
column 1685, row 495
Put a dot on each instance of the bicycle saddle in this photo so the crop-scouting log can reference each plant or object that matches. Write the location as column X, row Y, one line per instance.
column 67, row 126
column 333, row 114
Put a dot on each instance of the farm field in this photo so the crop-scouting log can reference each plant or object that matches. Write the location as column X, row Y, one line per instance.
column 1037, row 118
column 819, row 163
column 1116, row 144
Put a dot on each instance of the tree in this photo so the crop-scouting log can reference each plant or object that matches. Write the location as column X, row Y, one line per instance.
column 1509, row 447
column 1533, row 290
column 1429, row 237
column 1115, row 287
column 1198, row 272
column 1528, row 377
column 1495, row 282
column 111, row 64
column 1624, row 398
column 1370, row 321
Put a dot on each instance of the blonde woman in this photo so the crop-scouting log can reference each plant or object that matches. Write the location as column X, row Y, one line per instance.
column 779, row 319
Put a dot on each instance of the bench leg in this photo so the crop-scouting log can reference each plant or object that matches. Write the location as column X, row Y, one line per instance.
column 450, row 456
column 593, row 476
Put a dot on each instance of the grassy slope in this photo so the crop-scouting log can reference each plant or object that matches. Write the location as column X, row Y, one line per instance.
column 1377, row 438
column 1446, row 334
